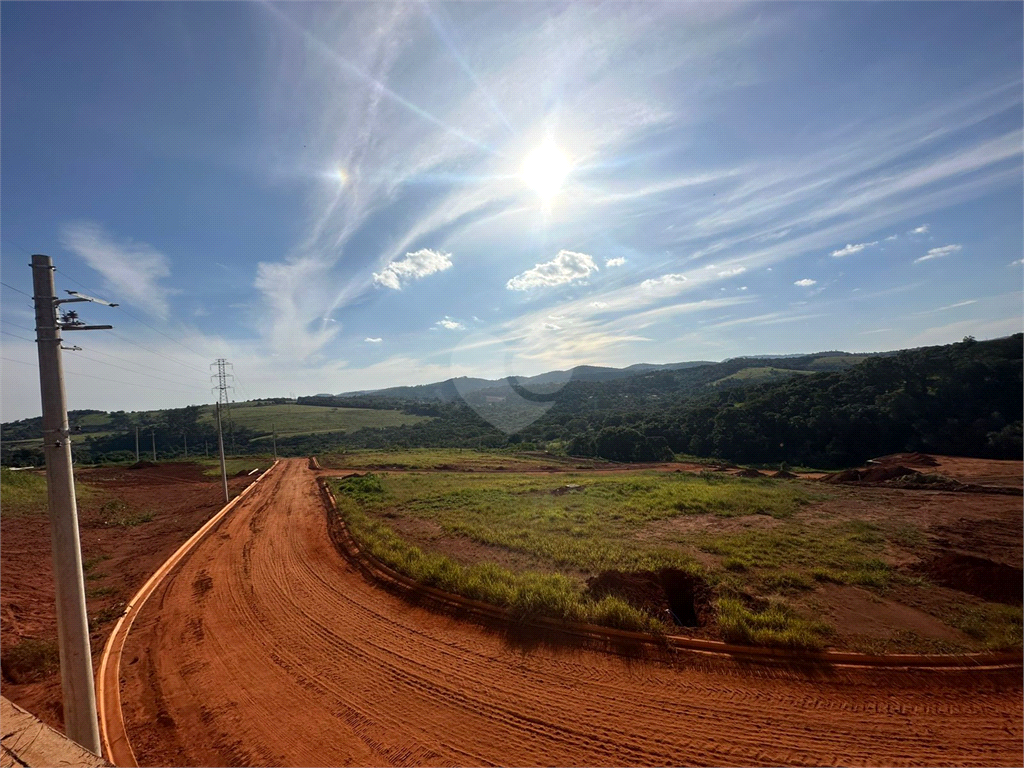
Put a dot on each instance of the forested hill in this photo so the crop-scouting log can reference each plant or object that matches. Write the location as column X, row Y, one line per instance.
column 962, row 398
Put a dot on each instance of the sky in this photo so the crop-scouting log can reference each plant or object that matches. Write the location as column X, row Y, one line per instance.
column 340, row 197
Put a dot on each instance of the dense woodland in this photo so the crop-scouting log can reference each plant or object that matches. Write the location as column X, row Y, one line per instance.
column 963, row 398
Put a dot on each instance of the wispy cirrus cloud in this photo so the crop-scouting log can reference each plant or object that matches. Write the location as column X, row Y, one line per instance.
column 413, row 267
column 566, row 267
column 732, row 272
column 922, row 230
column 938, row 253
column 132, row 271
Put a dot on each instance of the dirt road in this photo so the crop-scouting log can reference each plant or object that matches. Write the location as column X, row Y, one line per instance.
column 267, row 648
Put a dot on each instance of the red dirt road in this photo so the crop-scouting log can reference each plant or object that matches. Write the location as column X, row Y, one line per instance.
column 266, row 647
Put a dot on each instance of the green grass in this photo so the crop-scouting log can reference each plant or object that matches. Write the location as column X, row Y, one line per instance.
column 760, row 374
column 30, row 659
column 997, row 627
column 797, row 553
column 447, row 458
column 525, row 595
column 292, row 419
column 776, row 626
column 234, row 466
column 590, row 529
column 24, row 492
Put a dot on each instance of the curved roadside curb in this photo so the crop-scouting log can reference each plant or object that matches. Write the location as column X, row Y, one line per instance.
column 377, row 571
column 113, row 735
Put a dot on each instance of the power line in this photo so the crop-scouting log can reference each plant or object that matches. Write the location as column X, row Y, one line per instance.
column 14, row 335
column 154, row 352
column 129, row 370
column 140, row 365
column 135, row 317
column 18, row 290
column 100, row 378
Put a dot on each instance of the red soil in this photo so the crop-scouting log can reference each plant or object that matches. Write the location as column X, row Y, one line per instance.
column 180, row 499
column 267, row 647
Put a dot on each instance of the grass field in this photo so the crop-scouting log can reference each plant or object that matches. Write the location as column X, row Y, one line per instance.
column 766, row 547
column 24, row 493
column 234, row 466
column 450, row 459
column 293, row 419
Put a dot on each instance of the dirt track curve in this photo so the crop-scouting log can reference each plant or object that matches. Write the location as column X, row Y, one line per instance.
column 266, row 647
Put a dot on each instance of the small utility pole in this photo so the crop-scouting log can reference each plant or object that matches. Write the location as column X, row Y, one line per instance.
column 72, row 619
column 152, row 434
column 223, row 464
column 185, row 438
column 136, row 445
column 274, row 428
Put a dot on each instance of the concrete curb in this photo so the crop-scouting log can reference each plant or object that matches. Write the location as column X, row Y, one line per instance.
column 113, row 735
column 379, row 572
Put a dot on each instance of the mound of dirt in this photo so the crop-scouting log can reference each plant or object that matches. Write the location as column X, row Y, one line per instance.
column 143, row 465
column 674, row 596
column 877, row 474
column 976, row 576
column 908, row 459
column 749, row 473
column 783, row 474
column 570, row 488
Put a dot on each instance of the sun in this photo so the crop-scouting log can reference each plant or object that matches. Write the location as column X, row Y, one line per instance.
column 545, row 170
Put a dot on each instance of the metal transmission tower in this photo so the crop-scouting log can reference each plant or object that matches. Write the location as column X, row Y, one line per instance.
column 222, row 388
column 72, row 622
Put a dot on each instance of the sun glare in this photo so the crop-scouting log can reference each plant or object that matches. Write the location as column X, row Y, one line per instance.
column 545, row 170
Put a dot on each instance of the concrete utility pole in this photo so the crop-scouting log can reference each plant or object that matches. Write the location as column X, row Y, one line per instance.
column 136, row 445
column 185, row 438
column 72, row 620
column 152, row 434
column 274, row 428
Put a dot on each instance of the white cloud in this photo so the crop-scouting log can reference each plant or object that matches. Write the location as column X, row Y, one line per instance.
column 732, row 272
column 551, row 327
column 618, row 262
column 369, row 340
column 922, row 230
column 669, row 280
column 892, row 237
column 566, row 267
column 449, row 324
column 743, row 287
column 413, row 267
column 131, row 270
column 852, row 248
column 805, row 283
column 936, row 253
column 599, row 304
column 1016, row 263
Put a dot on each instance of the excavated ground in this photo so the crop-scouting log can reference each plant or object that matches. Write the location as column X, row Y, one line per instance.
column 265, row 647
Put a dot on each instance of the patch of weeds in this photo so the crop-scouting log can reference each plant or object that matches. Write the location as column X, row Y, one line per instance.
column 105, row 616
column 907, row 536
column 904, row 641
column 30, row 659
column 89, row 563
column 786, row 581
column 525, row 595
column 776, row 626
column 100, row 591
column 117, row 514
column 997, row 627
column 736, row 564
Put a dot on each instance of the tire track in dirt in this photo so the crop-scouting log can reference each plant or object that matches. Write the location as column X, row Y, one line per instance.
column 289, row 657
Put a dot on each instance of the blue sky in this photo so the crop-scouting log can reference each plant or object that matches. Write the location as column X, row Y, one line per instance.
column 351, row 196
